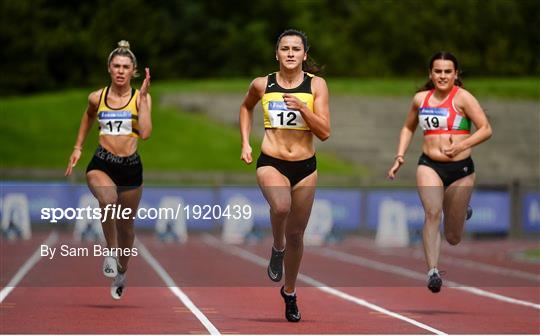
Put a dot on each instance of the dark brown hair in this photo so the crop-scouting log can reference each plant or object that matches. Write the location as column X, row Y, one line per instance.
column 441, row 55
column 309, row 65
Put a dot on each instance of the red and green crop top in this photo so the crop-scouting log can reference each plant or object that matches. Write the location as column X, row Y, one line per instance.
column 444, row 118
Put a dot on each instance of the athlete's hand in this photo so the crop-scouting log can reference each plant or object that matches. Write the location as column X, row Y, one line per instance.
column 292, row 102
column 73, row 159
column 146, row 83
column 398, row 162
column 452, row 150
column 246, row 154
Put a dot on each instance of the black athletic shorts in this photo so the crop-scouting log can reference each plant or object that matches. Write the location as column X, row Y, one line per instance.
column 295, row 171
column 125, row 171
column 449, row 172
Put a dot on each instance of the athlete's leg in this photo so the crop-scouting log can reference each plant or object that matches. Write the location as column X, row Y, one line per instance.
column 431, row 191
column 277, row 191
column 124, row 227
column 104, row 190
column 303, row 194
column 456, row 199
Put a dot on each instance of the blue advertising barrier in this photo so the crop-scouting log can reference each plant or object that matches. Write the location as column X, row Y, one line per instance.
column 531, row 212
column 345, row 205
column 40, row 196
column 192, row 203
column 491, row 210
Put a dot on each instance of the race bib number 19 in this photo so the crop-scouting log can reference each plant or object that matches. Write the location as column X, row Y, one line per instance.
column 432, row 118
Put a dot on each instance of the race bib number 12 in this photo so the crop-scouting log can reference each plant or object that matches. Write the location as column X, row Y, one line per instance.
column 281, row 117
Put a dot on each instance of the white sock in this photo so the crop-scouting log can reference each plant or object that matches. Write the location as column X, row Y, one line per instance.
column 275, row 249
column 289, row 294
column 433, row 271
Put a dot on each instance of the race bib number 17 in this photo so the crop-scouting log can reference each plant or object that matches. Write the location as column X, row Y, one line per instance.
column 115, row 122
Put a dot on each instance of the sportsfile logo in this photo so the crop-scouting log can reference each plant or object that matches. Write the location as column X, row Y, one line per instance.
column 111, row 211
column 117, row 211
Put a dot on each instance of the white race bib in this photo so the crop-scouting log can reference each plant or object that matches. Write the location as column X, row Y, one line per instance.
column 115, row 122
column 433, row 118
column 281, row 117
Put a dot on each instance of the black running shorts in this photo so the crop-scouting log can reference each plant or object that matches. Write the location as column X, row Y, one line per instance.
column 294, row 171
column 449, row 172
column 125, row 171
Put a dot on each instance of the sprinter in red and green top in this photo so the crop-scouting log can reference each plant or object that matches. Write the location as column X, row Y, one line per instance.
column 445, row 175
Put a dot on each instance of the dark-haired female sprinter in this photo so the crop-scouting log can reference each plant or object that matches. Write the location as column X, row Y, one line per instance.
column 445, row 175
column 295, row 105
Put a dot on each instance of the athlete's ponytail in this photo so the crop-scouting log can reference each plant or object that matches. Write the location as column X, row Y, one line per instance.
column 123, row 50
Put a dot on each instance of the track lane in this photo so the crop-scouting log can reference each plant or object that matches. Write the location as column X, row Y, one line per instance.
column 244, row 301
column 70, row 295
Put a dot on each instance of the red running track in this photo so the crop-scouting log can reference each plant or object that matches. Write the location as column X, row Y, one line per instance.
column 229, row 288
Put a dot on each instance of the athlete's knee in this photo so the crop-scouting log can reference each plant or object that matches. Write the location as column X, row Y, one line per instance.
column 452, row 238
column 125, row 230
column 107, row 198
column 281, row 209
column 433, row 215
column 295, row 239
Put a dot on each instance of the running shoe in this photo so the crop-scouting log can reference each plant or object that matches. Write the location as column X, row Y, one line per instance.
column 469, row 212
column 117, row 287
column 275, row 267
column 110, row 267
column 434, row 283
column 291, row 309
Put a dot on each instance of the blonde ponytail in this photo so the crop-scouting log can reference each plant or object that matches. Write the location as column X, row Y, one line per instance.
column 123, row 50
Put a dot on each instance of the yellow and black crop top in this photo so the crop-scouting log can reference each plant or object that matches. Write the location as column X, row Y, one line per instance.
column 276, row 114
column 121, row 121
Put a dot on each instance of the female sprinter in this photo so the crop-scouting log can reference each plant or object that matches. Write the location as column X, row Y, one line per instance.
column 445, row 174
column 295, row 105
column 114, row 175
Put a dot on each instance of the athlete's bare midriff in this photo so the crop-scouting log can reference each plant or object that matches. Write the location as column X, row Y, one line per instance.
column 290, row 145
column 434, row 145
column 121, row 145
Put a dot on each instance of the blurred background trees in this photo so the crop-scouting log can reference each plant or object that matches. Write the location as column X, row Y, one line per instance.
column 51, row 44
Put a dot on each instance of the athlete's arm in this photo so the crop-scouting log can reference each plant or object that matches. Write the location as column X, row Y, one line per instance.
column 318, row 120
column 87, row 120
column 145, row 107
column 468, row 104
column 405, row 136
column 254, row 94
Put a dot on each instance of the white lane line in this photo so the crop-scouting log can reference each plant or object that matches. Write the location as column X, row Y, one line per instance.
column 380, row 266
column 462, row 262
column 479, row 266
column 246, row 255
column 176, row 290
column 27, row 266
